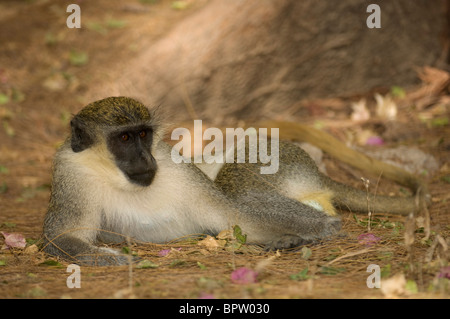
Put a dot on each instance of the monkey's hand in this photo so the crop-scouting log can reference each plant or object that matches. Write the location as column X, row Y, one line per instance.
column 83, row 253
column 103, row 257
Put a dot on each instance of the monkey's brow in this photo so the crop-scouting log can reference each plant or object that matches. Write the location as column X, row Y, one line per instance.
column 129, row 127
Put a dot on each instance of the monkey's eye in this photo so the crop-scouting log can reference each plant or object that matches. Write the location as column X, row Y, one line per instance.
column 124, row 137
column 142, row 134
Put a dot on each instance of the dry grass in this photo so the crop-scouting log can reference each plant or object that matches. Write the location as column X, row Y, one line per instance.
column 30, row 129
column 337, row 268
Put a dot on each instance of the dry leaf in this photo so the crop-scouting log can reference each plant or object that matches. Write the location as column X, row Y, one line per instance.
column 386, row 107
column 31, row 249
column 263, row 264
column 225, row 234
column 360, row 112
column 212, row 243
column 394, row 286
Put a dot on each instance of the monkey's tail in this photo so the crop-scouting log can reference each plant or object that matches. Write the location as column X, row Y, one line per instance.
column 361, row 201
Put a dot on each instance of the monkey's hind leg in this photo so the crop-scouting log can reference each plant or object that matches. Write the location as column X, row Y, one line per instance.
column 279, row 222
column 321, row 201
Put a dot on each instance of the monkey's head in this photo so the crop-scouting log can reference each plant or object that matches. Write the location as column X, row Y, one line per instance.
column 126, row 127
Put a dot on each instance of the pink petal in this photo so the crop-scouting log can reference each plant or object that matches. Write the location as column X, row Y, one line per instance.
column 206, row 296
column 374, row 140
column 165, row 252
column 244, row 276
column 368, row 239
column 14, row 240
column 444, row 273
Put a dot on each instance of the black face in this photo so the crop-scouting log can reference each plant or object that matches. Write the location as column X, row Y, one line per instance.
column 131, row 148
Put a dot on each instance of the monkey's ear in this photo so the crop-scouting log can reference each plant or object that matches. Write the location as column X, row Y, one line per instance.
column 81, row 139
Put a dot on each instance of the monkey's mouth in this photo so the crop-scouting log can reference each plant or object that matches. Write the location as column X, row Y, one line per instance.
column 142, row 178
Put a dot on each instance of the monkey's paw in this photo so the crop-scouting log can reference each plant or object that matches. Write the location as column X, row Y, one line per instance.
column 285, row 242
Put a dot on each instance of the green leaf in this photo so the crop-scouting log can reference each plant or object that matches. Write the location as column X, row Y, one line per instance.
column 97, row 27
column 386, row 271
column 116, row 24
column 179, row 5
column 4, row 98
column 411, row 286
column 51, row 262
column 201, row 266
column 37, row 292
column 306, row 253
column 17, row 95
column 237, row 233
column 302, row 275
column 78, row 58
column 446, row 178
column 144, row 264
column 177, row 263
column 9, row 130
column 398, row 92
column 439, row 122
column 331, row 271
column 8, row 224
column 3, row 188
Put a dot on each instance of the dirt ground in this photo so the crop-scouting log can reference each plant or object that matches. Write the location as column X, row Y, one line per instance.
column 46, row 70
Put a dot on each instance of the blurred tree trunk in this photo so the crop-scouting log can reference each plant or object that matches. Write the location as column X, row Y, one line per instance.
column 256, row 58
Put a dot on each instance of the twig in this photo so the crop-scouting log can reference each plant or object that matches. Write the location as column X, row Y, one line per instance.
column 359, row 252
column 366, row 185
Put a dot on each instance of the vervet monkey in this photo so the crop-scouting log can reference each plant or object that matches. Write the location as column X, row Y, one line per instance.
column 114, row 178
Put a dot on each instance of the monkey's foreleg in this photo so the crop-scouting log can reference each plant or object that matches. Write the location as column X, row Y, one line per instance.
column 83, row 253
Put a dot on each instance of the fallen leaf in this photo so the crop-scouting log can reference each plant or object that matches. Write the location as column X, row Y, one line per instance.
column 306, row 253
column 302, row 275
column 77, row 58
column 331, row 271
column 360, row 112
column 237, row 232
column 144, row 264
column 55, row 82
column 51, row 262
column 398, row 92
column 211, row 243
column 386, row 107
column 411, row 287
column 394, row 286
column 225, row 234
column 180, row 5
column 32, row 249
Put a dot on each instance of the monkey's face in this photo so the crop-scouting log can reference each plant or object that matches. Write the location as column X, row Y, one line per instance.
column 126, row 127
column 131, row 148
